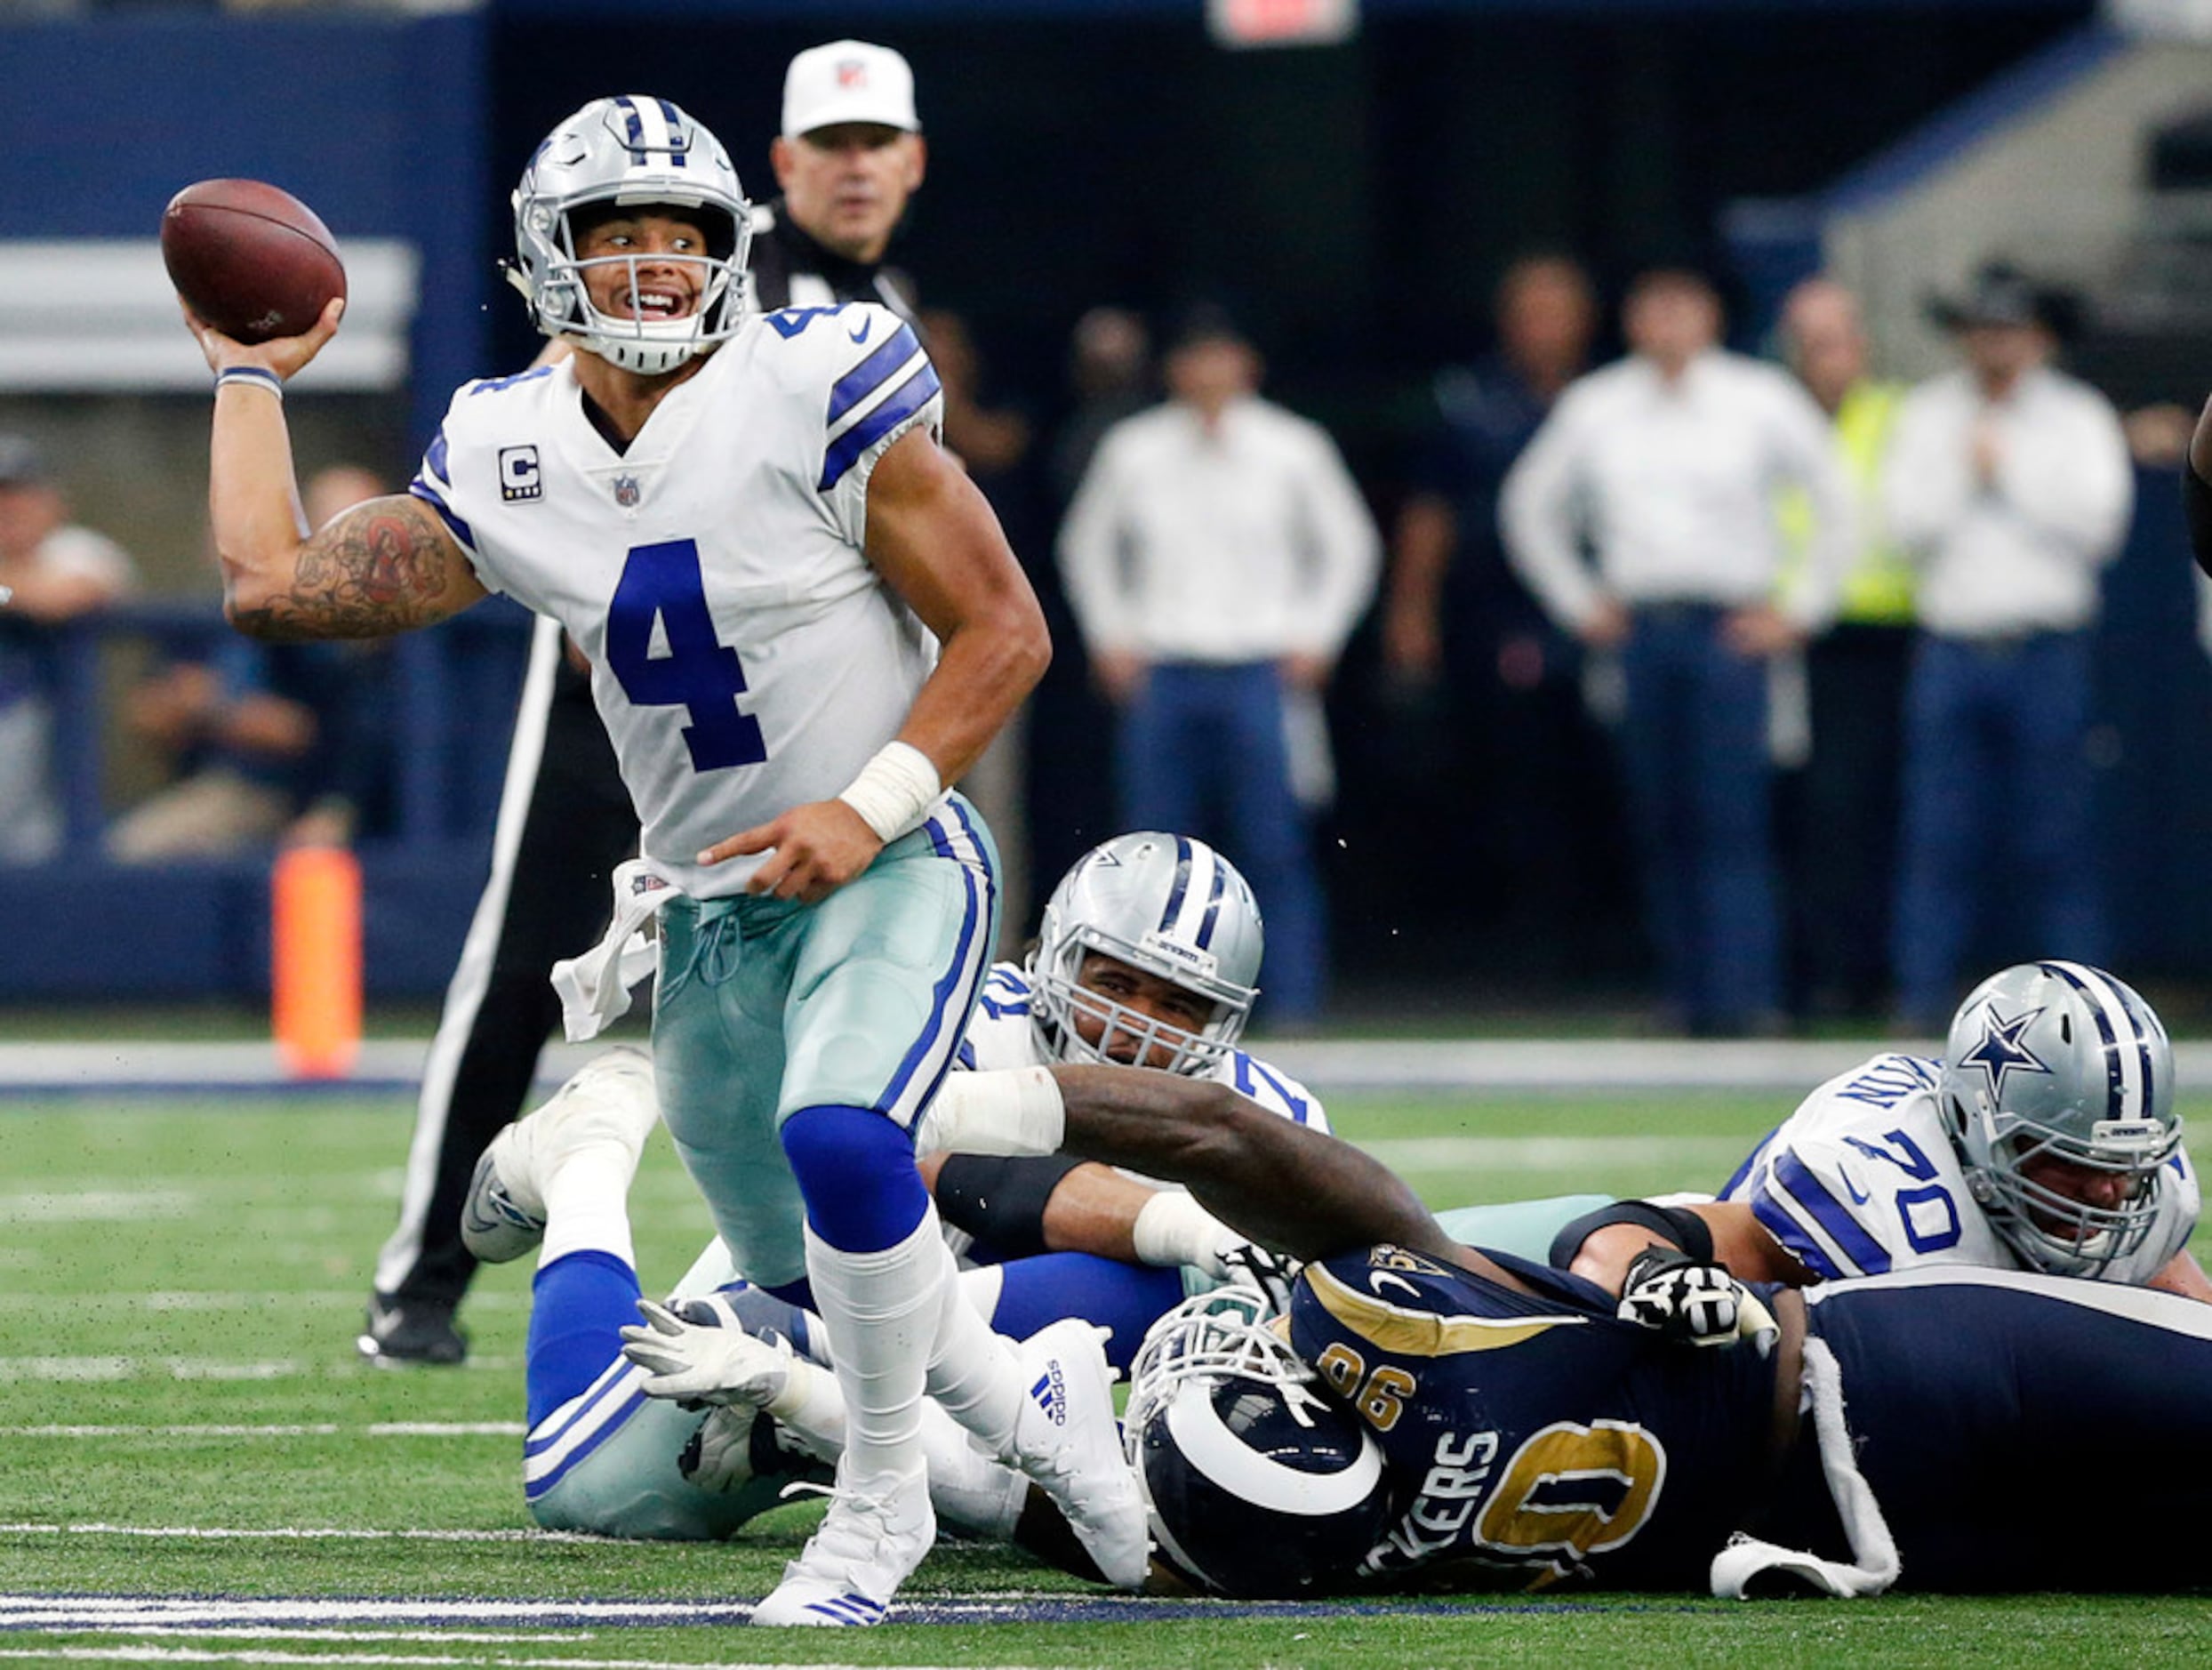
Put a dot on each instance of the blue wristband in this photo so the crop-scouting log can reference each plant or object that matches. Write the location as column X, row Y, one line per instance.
column 252, row 376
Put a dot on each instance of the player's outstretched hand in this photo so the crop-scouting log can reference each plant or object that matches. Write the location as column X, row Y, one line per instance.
column 1692, row 1304
column 813, row 850
column 703, row 1357
column 286, row 356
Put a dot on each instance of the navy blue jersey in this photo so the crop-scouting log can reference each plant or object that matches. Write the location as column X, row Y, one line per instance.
column 1987, row 1408
column 1533, row 1438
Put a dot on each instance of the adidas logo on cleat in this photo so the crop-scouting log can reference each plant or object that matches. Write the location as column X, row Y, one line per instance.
column 1050, row 1394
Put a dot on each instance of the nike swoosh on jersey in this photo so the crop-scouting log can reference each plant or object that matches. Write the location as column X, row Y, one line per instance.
column 1851, row 1187
column 860, row 336
column 1377, row 1278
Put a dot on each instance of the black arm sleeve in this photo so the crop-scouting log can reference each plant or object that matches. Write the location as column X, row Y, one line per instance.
column 999, row 1198
column 1683, row 1228
column 2196, row 500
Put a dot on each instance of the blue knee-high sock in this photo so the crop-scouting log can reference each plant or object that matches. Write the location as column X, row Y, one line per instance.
column 579, row 1307
column 1127, row 1298
column 855, row 1169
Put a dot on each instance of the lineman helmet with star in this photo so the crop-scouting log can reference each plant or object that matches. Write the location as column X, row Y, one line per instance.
column 2058, row 1061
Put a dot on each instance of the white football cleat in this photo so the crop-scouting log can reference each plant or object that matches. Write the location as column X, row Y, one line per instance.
column 876, row 1532
column 611, row 1099
column 1065, row 1440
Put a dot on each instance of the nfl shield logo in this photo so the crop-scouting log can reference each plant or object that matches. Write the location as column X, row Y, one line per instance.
column 626, row 491
column 852, row 73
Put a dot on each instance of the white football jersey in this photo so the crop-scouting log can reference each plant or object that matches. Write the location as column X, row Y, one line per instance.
column 745, row 657
column 1862, row 1179
column 1002, row 1033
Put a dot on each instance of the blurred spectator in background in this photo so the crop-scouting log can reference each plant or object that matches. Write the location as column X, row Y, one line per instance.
column 1217, row 556
column 1464, row 646
column 274, row 740
column 1669, row 464
column 1109, row 373
column 991, row 441
column 2009, row 483
column 1855, row 674
column 57, row 571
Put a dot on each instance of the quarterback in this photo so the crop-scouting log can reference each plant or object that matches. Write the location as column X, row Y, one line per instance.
column 802, row 620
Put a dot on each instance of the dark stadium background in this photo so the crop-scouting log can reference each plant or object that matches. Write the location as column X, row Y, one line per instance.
column 1353, row 204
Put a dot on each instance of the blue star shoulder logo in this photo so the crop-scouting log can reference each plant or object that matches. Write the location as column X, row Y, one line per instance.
column 2000, row 1050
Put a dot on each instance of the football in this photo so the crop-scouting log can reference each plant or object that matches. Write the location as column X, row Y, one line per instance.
column 251, row 260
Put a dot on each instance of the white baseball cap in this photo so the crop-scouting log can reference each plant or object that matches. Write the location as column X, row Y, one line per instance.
column 848, row 81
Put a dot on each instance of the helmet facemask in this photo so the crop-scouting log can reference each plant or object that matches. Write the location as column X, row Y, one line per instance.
column 1062, row 999
column 2054, row 1063
column 2056, row 1232
column 1167, row 906
column 606, row 161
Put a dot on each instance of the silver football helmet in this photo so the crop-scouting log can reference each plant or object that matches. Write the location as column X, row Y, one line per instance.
column 1254, row 1482
column 632, row 151
column 2061, row 1061
column 1170, row 906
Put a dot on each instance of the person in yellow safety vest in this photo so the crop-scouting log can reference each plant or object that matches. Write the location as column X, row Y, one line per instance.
column 1856, row 676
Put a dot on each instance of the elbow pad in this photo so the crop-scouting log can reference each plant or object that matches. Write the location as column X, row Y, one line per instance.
column 1676, row 1223
column 999, row 1198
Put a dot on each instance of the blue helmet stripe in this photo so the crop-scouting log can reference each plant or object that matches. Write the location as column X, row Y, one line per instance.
column 1213, row 904
column 2115, row 1079
column 634, row 127
column 674, row 119
column 1180, row 886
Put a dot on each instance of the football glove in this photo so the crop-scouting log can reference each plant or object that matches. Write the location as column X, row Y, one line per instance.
column 719, row 1456
column 1692, row 1304
column 1251, row 1265
column 698, row 1355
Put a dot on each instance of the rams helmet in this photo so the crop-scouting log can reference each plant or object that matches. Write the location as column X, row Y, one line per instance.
column 1256, row 1483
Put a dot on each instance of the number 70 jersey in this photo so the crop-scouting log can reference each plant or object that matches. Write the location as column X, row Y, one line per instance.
column 745, row 656
column 1862, row 1180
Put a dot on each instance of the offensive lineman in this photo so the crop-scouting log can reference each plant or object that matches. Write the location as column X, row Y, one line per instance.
column 1433, row 1415
column 850, row 155
column 1147, row 955
column 802, row 620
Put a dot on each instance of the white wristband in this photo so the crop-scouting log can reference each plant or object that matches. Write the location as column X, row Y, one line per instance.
column 1008, row 1113
column 1172, row 1228
column 251, row 377
column 894, row 790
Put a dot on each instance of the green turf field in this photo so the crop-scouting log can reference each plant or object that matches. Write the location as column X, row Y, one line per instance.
column 181, row 1414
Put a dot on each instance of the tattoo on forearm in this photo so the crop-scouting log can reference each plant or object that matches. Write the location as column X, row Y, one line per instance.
column 383, row 569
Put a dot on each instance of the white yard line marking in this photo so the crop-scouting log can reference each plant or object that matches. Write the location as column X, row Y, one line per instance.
column 95, row 1205
column 149, row 1654
column 292, row 1533
column 319, row 1429
column 1555, row 1153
